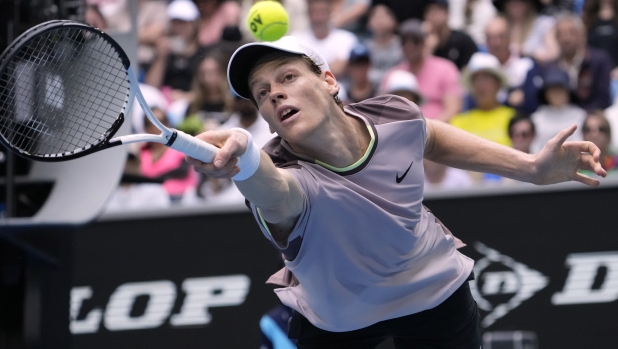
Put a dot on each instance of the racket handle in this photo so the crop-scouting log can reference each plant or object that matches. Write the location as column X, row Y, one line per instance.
column 194, row 147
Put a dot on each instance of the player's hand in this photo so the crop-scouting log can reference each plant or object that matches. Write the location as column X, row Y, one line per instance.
column 560, row 162
column 231, row 144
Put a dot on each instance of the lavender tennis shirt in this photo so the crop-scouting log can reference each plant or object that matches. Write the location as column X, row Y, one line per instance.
column 365, row 249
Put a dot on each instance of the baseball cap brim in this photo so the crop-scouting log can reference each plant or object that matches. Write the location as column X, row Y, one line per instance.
column 245, row 57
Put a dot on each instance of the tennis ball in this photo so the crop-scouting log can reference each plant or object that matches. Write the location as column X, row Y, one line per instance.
column 267, row 20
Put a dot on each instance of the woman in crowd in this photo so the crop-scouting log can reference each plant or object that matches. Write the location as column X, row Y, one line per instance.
column 522, row 132
column 601, row 20
column 166, row 164
column 215, row 15
column 384, row 44
column 597, row 130
column 531, row 34
column 178, row 53
column 557, row 109
column 209, row 103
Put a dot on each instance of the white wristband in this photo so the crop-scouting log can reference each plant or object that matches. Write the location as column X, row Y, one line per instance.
column 250, row 160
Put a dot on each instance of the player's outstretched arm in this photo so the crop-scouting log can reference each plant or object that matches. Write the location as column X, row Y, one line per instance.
column 559, row 161
column 275, row 191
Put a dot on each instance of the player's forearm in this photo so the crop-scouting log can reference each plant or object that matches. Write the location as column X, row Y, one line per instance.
column 275, row 192
column 456, row 148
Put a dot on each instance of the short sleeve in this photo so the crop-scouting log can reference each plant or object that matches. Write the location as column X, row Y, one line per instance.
column 292, row 245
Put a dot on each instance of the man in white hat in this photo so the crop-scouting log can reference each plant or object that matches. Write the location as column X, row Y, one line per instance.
column 339, row 192
column 489, row 119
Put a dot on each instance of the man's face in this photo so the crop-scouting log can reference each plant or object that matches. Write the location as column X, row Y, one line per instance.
column 294, row 101
column 521, row 135
column 436, row 15
column 413, row 47
column 319, row 11
column 497, row 37
column 569, row 36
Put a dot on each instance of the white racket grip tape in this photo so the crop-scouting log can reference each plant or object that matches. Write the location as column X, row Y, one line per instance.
column 249, row 161
column 194, row 147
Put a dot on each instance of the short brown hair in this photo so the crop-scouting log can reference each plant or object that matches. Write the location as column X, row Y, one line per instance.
column 287, row 57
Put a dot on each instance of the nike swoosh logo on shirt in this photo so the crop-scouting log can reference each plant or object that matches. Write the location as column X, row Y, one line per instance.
column 399, row 179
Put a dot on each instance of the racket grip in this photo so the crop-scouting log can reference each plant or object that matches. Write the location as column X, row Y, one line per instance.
column 194, row 147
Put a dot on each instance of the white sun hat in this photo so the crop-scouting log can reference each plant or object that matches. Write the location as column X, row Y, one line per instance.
column 401, row 80
column 484, row 62
column 184, row 10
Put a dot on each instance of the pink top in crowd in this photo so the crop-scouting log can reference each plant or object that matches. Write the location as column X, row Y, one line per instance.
column 169, row 161
column 438, row 77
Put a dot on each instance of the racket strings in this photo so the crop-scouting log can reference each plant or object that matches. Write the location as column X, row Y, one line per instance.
column 62, row 92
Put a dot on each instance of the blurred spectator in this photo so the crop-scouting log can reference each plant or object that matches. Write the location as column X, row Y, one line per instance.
column 332, row 43
column 588, row 68
column 359, row 87
column 438, row 78
column 349, row 14
column 531, row 33
column 151, row 25
column 483, row 79
column 558, row 7
column 438, row 176
column 598, row 131
column 471, row 17
column 556, row 112
column 210, row 101
column 166, row 164
column 523, row 74
column 297, row 14
column 245, row 116
column 405, row 9
column 178, row 53
column 116, row 14
column 454, row 45
column 611, row 114
column 384, row 45
column 94, row 17
column 601, row 20
column 403, row 84
column 215, row 15
column 522, row 132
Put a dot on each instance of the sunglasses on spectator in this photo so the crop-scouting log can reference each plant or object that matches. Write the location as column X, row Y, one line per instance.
column 601, row 129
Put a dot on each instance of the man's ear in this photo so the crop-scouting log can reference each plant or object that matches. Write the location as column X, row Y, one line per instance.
column 331, row 83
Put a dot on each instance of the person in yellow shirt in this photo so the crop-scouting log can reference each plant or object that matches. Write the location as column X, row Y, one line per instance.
column 489, row 119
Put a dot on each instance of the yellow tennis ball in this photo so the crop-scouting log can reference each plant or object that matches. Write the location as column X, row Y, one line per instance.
column 268, row 20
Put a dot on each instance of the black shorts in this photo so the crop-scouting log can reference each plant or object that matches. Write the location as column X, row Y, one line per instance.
column 454, row 324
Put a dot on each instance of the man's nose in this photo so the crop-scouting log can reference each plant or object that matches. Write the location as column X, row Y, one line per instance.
column 276, row 94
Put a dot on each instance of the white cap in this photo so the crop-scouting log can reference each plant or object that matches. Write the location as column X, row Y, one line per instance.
column 244, row 58
column 401, row 80
column 483, row 62
column 185, row 10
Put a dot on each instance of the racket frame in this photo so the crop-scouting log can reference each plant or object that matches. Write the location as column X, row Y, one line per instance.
column 174, row 139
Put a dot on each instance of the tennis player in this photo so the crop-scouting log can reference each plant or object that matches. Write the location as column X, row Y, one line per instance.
column 340, row 193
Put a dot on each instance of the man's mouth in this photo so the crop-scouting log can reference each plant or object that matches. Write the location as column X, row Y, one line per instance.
column 288, row 113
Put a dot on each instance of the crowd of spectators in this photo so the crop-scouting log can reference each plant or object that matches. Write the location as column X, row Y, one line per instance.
column 512, row 71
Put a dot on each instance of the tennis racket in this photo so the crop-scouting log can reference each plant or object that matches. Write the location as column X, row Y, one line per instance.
column 65, row 89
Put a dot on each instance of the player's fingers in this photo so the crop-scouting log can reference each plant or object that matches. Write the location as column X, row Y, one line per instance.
column 212, row 170
column 235, row 145
column 586, row 180
column 217, row 138
column 593, row 150
column 557, row 141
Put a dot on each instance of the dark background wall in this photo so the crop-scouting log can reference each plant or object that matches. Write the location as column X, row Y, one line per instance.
column 533, row 234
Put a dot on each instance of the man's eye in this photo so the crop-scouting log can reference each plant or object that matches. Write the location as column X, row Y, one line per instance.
column 262, row 93
column 289, row 76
